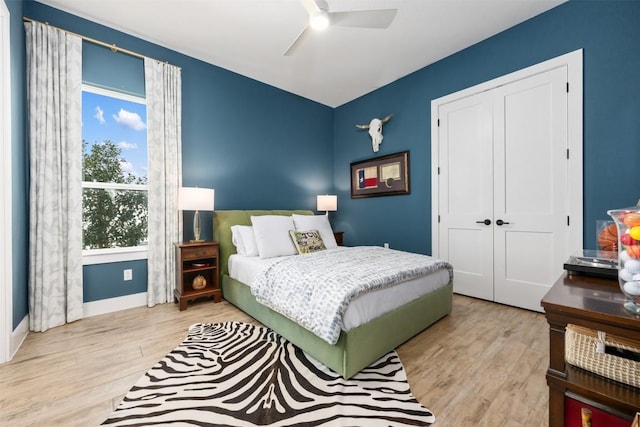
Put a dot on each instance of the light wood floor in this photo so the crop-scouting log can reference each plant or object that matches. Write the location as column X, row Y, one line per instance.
column 483, row 365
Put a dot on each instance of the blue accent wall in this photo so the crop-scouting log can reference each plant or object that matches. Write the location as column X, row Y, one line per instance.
column 261, row 147
column 19, row 166
column 608, row 31
column 102, row 281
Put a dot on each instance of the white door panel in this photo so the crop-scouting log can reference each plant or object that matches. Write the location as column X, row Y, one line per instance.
column 527, row 296
column 468, row 144
column 502, row 156
column 473, row 264
column 466, row 194
column 526, row 275
column 527, row 256
column 530, row 194
column 525, row 150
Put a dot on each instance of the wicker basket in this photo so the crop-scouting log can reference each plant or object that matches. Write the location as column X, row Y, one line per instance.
column 580, row 351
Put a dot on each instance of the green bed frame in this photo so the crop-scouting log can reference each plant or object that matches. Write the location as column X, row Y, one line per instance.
column 355, row 349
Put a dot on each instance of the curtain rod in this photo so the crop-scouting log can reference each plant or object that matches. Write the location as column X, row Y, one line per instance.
column 113, row 47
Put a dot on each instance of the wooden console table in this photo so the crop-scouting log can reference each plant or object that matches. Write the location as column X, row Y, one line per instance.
column 597, row 304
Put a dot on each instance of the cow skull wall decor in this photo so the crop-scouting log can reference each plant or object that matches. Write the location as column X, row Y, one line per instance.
column 375, row 130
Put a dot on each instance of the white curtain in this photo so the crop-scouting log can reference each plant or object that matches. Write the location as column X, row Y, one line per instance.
column 54, row 77
column 164, row 141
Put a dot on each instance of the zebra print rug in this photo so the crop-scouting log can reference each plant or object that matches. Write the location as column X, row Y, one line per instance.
column 237, row 374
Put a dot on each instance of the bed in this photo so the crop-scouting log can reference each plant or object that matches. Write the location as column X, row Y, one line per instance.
column 355, row 349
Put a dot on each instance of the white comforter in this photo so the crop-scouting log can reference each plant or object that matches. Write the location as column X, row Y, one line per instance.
column 314, row 289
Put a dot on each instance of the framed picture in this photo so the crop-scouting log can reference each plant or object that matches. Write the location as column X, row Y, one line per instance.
column 380, row 176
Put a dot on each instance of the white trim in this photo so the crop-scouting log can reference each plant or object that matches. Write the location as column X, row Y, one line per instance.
column 575, row 105
column 103, row 306
column 573, row 62
column 18, row 335
column 113, row 93
column 6, row 248
column 435, row 176
column 114, row 186
column 572, row 59
column 104, row 256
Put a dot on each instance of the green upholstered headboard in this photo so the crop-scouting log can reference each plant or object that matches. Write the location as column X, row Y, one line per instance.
column 224, row 220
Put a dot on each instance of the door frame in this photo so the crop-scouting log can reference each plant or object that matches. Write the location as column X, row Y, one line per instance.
column 6, row 274
column 573, row 62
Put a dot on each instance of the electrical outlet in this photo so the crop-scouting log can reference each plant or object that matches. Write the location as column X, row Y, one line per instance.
column 128, row 274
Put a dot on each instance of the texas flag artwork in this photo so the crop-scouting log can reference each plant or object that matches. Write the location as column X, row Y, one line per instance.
column 368, row 177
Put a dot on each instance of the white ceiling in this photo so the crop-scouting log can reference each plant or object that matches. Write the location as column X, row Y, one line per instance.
column 341, row 64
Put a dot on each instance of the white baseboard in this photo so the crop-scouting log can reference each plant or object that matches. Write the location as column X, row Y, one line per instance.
column 110, row 305
column 18, row 335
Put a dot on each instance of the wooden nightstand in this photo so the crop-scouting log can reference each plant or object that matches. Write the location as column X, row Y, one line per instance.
column 196, row 263
column 338, row 235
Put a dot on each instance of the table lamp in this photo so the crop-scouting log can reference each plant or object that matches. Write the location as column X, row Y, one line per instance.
column 327, row 202
column 195, row 199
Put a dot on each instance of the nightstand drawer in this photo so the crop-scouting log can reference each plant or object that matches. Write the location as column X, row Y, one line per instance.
column 199, row 252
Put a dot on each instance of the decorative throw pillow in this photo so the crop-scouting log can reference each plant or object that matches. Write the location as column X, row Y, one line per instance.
column 307, row 241
column 272, row 235
column 316, row 222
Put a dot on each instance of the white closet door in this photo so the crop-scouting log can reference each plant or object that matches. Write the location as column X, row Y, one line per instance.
column 530, row 187
column 466, row 193
column 503, row 158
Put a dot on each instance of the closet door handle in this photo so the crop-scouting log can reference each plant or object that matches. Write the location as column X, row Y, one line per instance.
column 501, row 222
column 485, row 222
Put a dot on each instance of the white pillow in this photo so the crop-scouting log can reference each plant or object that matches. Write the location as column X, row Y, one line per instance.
column 272, row 235
column 249, row 240
column 244, row 240
column 316, row 222
column 236, row 239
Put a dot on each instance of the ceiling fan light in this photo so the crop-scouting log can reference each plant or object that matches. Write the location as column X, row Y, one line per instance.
column 320, row 20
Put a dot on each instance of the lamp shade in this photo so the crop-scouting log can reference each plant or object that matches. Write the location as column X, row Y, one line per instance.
column 327, row 202
column 195, row 199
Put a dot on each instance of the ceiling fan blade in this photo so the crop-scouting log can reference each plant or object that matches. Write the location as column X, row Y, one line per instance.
column 310, row 6
column 305, row 34
column 364, row 18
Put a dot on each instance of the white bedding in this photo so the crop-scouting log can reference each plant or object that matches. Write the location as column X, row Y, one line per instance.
column 362, row 309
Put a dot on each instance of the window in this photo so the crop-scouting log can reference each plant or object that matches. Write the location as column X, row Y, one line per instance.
column 114, row 167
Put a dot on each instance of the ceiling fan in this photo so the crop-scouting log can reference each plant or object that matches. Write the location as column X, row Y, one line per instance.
column 320, row 18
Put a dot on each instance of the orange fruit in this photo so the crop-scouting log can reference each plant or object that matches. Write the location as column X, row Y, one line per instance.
column 632, row 219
